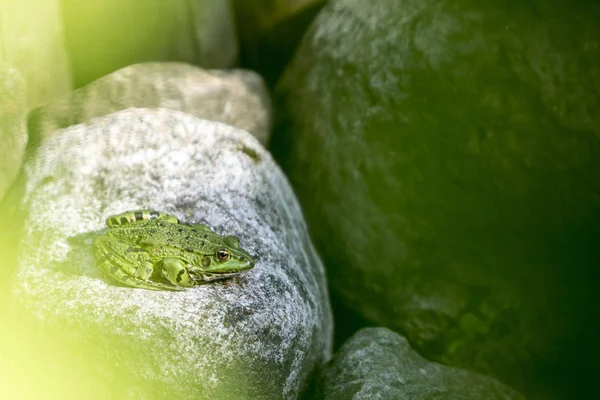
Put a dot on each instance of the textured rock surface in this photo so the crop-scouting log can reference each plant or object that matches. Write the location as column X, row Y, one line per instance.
column 13, row 134
column 235, row 97
column 104, row 36
column 257, row 336
column 447, row 157
column 33, row 43
column 377, row 363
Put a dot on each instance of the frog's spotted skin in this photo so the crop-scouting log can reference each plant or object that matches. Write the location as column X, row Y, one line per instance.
column 139, row 215
column 143, row 247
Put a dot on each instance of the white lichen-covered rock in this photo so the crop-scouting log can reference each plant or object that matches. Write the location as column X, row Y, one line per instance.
column 13, row 133
column 260, row 335
column 236, row 97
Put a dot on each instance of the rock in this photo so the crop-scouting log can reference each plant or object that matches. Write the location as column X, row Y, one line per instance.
column 446, row 157
column 260, row 335
column 116, row 34
column 13, row 133
column 377, row 363
column 270, row 31
column 262, row 15
column 235, row 97
column 33, row 43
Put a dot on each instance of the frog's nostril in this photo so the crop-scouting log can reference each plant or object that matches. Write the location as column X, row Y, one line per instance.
column 246, row 261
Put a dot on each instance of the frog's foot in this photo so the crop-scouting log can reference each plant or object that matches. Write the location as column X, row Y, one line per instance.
column 130, row 217
column 127, row 264
column 175, row 271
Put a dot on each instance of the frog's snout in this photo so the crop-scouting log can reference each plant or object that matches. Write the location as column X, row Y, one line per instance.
column 246, row 263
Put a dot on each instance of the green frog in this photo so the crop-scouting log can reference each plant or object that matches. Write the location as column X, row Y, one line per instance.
column 153, row 250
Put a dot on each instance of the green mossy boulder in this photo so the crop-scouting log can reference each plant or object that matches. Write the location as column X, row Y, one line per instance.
column 447, row 157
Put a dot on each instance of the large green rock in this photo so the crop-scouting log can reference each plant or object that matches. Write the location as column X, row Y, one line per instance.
column 260, row 335
column 447, row 156
column 377, row 363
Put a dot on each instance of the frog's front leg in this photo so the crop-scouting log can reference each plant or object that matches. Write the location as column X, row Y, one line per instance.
column 175, row 271
column 126, row 263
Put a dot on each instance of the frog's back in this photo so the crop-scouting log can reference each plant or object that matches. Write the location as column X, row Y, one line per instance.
column 180, row 236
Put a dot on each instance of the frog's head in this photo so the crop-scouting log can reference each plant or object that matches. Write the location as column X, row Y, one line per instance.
column 228, row 259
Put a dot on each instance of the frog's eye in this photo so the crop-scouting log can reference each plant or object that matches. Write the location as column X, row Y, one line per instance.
column 223, row 255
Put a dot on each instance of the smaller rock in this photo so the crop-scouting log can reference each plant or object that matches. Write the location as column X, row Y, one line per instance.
column 377, row 363
column 13, row 135
column 264, row 14
column 32, row 41
column 236, row 97
column 112, row 34
column 271, row 31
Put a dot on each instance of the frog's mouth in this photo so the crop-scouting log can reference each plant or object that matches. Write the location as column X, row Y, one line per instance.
column 206, row 276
